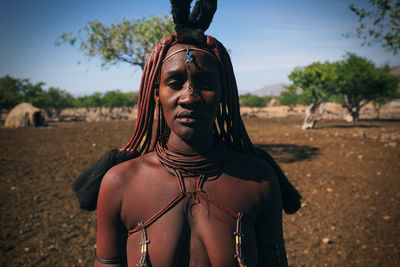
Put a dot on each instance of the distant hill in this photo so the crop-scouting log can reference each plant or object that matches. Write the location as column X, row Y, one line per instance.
column 273, row 89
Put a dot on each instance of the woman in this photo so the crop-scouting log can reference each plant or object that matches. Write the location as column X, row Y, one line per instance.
column 199, row 194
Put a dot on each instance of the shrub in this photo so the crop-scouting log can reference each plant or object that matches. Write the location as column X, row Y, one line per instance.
column 249, row 100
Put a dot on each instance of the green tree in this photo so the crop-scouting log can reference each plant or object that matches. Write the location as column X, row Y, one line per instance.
column 14, row 91
column 54, row 100
column 93, row 100
column 127, row 41
column 11, row 91
column 132, row 98
column 380, row 23
column 316, row 82
column 360, row 82
column 389, row 96
column 115, row 99
column 33, row 93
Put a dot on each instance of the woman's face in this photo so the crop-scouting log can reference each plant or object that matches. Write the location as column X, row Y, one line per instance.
column 190, row 116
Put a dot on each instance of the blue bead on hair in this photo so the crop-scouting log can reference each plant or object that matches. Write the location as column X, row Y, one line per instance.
column 189, row 58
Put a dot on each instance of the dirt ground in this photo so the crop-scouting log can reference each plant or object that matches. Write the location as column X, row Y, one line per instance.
column 348, row 174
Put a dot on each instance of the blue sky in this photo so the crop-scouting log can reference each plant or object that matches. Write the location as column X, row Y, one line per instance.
column 267, row 40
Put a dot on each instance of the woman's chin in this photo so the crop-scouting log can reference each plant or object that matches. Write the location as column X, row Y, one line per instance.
column 191, row 134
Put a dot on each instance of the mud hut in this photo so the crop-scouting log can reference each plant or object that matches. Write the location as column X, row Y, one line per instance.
column 24, row 115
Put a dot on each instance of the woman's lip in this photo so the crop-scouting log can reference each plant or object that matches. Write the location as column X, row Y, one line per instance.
column 188, row 115
column 187, row 119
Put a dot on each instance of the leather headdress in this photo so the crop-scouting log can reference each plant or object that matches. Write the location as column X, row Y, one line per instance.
column 190, row 26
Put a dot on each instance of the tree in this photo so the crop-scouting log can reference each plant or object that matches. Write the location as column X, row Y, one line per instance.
column 10, row 91
column 33, row 93
column 14, row 91
column 93, row 100
column 380, row 102
column 360, row 82
column 379, row 24
column 132, row 98
column 317, row 82
column 111, row 99
column 128, row 41
column 115, row 99
column 54, row 100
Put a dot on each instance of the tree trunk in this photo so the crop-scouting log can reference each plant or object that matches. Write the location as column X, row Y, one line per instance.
column 356, row 115
column 353, row 114
column 378, row 114
column 353, row 107
column 377, row 108
column 311, row 117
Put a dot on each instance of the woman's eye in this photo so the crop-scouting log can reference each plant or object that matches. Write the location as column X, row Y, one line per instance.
column 174, row 85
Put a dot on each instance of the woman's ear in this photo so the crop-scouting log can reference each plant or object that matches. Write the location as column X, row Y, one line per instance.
column 156, row 95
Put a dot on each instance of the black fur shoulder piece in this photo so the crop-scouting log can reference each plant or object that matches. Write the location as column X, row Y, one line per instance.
column 87, row 186
column 190, row 26
column 291, row 198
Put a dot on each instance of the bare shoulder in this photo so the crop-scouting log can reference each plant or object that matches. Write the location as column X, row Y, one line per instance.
column 119, row 172
column 119, row 177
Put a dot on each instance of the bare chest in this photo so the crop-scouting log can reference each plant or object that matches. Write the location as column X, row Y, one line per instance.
column 193, row 223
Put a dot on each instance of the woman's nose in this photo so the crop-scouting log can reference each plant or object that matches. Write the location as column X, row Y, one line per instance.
column 189, row 96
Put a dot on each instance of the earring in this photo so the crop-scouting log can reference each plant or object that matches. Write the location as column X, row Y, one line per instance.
column 190, row 89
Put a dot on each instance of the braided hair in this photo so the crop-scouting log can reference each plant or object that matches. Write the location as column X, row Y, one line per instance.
column 190, row 27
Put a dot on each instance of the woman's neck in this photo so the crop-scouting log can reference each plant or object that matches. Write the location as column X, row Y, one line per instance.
column 194, row 146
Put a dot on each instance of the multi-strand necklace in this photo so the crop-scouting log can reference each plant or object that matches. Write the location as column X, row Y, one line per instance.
column 191, row 164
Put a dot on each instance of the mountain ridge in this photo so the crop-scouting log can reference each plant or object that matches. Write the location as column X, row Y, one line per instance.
column 272, row 89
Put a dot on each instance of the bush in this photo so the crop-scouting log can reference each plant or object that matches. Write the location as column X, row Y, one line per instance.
column 249, row 100
column 114, row 98
column 288, row 98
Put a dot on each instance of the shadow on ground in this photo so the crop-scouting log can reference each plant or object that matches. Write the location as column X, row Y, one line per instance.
column 346, row 126
column 364, row 123
column 288, row 153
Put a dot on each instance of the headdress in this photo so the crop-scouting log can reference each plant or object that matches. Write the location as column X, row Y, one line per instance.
column 190, row 27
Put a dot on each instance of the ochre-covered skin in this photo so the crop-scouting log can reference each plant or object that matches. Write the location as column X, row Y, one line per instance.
column 194, row 232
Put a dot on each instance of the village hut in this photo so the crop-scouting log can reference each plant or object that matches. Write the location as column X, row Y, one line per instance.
column 24, row 115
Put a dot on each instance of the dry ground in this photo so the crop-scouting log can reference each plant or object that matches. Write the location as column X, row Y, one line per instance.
column 348, row 174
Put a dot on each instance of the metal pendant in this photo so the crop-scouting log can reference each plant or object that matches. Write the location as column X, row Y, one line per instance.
column 190, row 89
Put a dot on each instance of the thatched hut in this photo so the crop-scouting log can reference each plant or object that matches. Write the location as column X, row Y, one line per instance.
column 24, row 115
